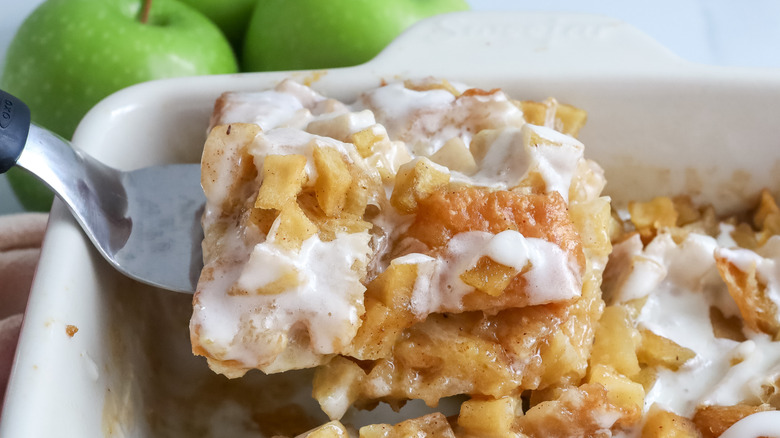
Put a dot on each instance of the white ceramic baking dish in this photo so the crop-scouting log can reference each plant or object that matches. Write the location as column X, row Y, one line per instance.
column 658, row 125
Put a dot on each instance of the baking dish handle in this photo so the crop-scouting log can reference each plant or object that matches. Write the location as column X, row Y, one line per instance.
column 547, row 43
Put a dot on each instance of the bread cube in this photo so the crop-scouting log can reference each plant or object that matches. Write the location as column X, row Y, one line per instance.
column 614, row 344
column 336, row 385
column 283, row 178
column 534, row 112
column 622, row 392
column 571, row 119
column 651, row 216
column 333, row 429
column 333, row 180
column 365, row 140
column 488, row 417
column 416, row 180
column 292, row 227
column 656, row 350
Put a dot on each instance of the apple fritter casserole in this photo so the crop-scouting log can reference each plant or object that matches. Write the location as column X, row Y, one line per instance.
column 430, row 240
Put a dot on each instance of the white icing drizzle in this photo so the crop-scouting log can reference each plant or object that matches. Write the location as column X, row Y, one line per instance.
column 756, row 425
column 254, row 329
column 516, row 152
column 724, row 237
column 411, row 116
column 681, row 283
column 327, row 299
column 439, row 288
column 424, row 120
column 289, row 104
column 555, row 157
column 759, row 366
column 663, row 262
column 341, row 125
column 286, row 141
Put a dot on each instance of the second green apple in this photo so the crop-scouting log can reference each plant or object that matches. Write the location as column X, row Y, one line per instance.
column 310, row 34
column 231, row 16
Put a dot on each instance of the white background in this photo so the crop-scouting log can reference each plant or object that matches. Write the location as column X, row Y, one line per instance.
column 719, row 32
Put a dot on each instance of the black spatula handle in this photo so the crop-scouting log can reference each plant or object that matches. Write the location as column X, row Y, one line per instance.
column 14, row 127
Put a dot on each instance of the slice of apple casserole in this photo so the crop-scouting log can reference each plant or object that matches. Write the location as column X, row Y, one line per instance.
column 426, row 240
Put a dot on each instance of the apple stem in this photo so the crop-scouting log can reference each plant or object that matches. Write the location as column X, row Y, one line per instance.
column 145, row 11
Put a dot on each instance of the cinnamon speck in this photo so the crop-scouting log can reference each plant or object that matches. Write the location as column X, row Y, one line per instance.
column 71, row 330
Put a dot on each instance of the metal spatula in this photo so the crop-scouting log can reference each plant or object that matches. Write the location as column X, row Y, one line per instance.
column 146, row 222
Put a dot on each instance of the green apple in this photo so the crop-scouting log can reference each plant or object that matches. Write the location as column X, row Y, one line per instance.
column 307, row 34
column 231, row 16
column 69, row 54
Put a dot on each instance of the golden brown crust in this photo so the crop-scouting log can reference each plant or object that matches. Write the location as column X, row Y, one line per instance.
column 712, row 421
column 758, row 310
column 448, row 212
column 219, row 109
